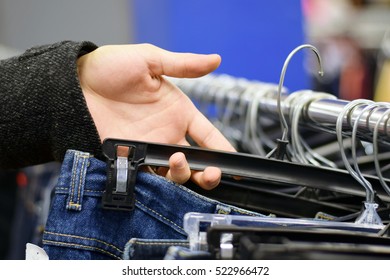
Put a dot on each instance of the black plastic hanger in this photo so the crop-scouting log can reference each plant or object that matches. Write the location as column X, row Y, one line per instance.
column 294, row 243
column 271, row 171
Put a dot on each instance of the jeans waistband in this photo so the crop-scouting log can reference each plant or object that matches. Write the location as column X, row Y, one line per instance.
column 83, row 175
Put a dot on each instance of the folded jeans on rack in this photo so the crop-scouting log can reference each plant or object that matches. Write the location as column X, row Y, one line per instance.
column 79, row 228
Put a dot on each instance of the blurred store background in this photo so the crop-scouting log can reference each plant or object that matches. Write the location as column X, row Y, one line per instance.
column 253, row 37
column 354, row 41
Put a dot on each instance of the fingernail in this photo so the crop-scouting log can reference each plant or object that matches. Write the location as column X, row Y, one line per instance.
column 180, row 164
column 179, row 161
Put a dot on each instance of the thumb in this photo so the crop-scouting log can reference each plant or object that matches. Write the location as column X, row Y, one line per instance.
column 181, row 65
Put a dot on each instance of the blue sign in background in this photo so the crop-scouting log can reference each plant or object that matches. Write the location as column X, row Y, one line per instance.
column 253, row 37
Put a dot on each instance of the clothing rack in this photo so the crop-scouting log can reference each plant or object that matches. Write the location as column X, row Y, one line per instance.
column 325, row 112
column 242, row 106
column 322, row 111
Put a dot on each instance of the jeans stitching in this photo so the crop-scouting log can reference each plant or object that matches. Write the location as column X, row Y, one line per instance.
column 85, row 190
column 86, row 238
column 72, row 182
column 158, row 214
column 75, row 245
column 186, row 190
column 93, row 191
column 158, row 243
column 71, row 203
column 81, row 181
column 206, row 199
column 243, row 212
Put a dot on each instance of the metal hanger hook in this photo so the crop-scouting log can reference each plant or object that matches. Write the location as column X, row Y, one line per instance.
column 281, row 81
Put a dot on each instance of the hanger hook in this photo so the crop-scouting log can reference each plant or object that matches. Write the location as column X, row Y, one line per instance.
column 369, row 215
column 281, row 81
column 376, row 148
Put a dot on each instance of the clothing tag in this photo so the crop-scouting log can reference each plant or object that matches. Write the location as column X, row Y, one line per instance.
column 34, row 252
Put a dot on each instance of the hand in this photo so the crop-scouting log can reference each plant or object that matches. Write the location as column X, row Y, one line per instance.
column 129, row 98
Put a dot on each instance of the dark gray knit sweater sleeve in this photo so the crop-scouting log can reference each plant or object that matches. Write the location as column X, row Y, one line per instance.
column 43, row 111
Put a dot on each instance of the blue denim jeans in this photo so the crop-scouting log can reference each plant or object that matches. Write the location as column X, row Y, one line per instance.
column 79, row 228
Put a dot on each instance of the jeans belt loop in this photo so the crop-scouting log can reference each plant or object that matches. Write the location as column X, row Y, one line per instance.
column 76, row 189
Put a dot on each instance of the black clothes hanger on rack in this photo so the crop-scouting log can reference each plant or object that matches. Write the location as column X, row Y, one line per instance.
column 119, row 193
column 294, row 243
column 293, row 202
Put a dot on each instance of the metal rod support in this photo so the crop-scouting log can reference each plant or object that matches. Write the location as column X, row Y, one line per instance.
column 324, row 113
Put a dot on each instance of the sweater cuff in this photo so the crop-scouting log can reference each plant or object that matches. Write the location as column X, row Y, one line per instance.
column 47, row 110
column 72, row 124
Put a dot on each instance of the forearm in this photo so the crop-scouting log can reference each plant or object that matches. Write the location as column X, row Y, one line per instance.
column 43, row 111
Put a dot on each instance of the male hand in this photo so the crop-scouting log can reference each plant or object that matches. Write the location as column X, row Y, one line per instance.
column 129, row 98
